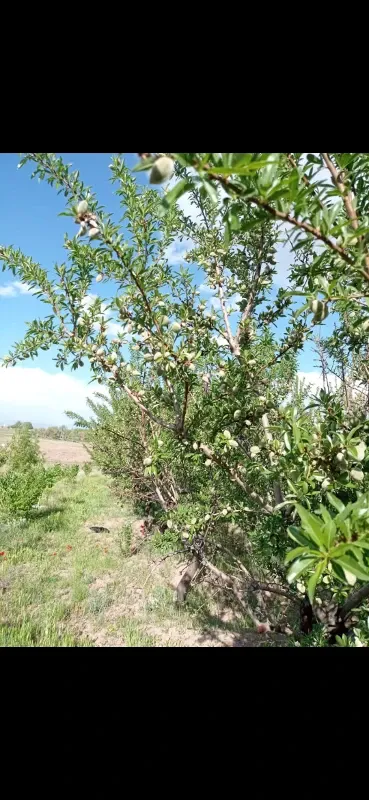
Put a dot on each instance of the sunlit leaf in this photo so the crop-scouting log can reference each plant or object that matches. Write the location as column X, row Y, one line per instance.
column 298, row 568
column 312, row 526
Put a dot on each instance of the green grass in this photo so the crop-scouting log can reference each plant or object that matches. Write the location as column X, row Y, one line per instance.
column 51, row 561
column 61, row 585
column 66, row 586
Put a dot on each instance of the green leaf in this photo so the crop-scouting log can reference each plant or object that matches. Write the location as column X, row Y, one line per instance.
column 340, row 550
column 362, row 543
column 178, row 190
column 211, row 191
column 240, row 159
column 312, row 526
column 335, row 502
column 357, row 451
column 297, row 535
column 312, row 584
column 296, row 432
column 357, row 427
column 329, row 527
column 342, row 516
column 298, row 568
column 349, row 564
column 245, row 169
column 144, row 164
column 286, row 441
column 297, row 551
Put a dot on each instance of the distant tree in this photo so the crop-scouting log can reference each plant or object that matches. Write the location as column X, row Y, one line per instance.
column 20, row 424
column 23, row 451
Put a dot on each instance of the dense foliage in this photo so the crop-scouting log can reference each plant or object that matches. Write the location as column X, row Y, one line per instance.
column 205, row 424
column 25, row 476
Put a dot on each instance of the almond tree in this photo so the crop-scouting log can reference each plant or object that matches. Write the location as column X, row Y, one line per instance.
column 216, row 383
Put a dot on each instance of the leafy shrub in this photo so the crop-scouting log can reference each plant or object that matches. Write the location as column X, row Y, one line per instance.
column 3, row 455
column 19, row 491
column 23, row 450
column 26, row 476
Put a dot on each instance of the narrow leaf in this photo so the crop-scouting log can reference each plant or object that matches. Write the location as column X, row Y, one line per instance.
column 312, row 584
column 347, row 563
column 335, row 502
column 312, row 526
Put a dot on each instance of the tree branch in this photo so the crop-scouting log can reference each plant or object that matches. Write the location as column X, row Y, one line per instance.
column 282, row 215
column 353, row 601
column 347, row 196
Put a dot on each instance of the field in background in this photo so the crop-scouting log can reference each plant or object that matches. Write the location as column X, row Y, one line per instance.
column 54, row 451
column 63, row 585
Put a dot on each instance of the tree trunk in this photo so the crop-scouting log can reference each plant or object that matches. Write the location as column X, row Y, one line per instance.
column 187, row 577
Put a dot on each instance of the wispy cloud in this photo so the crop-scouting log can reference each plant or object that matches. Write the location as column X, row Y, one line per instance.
column 176, row 251
column 22, row 288
column 14, row 289
column 7, row 291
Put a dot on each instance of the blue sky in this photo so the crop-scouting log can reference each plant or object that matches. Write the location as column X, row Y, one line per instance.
column 29, row 220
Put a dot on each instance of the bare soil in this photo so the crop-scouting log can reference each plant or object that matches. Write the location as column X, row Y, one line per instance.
column 59, row 452
column 54, row 451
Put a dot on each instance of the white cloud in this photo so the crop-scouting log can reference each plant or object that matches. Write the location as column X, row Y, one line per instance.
column 188, row 207
column 314, row 380
column 231, row 301
column 7, row 291
column 176, row 251
column 31, row 394
column 13, row 289
column 214, row 302
column 113, row 328
column 205, row 289
column 21, row 287
column 88, row 300
column 221, row 341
